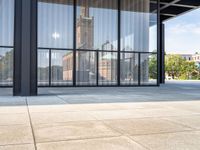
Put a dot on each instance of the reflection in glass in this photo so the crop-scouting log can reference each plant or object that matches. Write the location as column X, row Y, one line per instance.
column 107, row 68
column 61, row 67
column 6, row 22
column 97, row 42
column 97, row 24
column 43, row 67
column 148, row 73
column 86, row 68
column 129, row 69
column 6, row 66
column 55, row 23
column 137, row 25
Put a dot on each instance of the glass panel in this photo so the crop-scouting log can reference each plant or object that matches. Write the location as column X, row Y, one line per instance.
column 148, row 69
column 86, row 68
column 6, row 66
column 6, row 22
column 97, row 24
column 6, row 39
column 61, row 67
column 107, row 68
column 43, row 67
column 55, row 23
column 129, row 69
column 138, row 26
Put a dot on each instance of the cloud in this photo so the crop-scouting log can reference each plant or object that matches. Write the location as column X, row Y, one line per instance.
column 184, row 28
column 183, row 33
column 183, row 38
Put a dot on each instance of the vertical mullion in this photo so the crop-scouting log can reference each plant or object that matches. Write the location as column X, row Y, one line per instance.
column 158, row 42
column 74, row 43
column 139, row 68
column 49, row 67
column 119, row 44
column 33, row 58
column 97, row 69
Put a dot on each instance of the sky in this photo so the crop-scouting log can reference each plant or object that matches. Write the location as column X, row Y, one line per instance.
column 183, row 33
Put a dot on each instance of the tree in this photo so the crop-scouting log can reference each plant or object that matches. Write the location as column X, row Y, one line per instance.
column 153, row 67
column 174, row 65
column 179, row 68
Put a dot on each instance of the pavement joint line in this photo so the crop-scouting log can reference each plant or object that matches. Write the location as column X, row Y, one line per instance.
column 9, row 125
column 95, row 119
column 162, row 132
column 31, row 124
column 80, row 139
column 183, row 131
column 128, row 136
column 121, row 133
column 60, row 124
column 15, row 144
column 62, row 99
column 141, row 117
column 141, row 144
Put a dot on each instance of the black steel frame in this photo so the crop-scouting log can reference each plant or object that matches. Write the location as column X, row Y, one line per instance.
column 97, row 67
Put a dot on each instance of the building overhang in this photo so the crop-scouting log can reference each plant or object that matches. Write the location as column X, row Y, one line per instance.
column 173, row 8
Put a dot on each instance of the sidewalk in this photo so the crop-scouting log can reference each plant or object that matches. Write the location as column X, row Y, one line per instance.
column 76, row 122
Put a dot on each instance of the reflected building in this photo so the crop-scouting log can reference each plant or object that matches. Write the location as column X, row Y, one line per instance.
column 84, row 37
column 86, row 60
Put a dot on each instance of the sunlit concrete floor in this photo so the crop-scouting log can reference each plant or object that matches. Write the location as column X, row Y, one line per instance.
column 144, row 118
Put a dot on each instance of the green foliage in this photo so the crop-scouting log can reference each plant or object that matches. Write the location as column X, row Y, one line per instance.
column 6, row 66
column 153, row 67
column 179, row 68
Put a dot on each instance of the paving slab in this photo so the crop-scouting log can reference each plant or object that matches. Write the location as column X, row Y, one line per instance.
column 13, row 109
column 14, row 119
column 59, row 117
column 45, row 100
column 53, row 108
column 12, row 101
column 189, row 140
column 17, row 134
column 192, row 121
column 18, row 147
column 145, row 126
column 72, row 131
column 115, row 143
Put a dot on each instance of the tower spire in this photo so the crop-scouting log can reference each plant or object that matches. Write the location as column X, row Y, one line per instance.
column 85, row 10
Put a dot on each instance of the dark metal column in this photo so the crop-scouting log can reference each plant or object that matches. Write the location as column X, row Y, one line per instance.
column 74, row 44
column 25, row 59
column 119, row 45
column 162, row 53
column 17, row 49
column 158, row 43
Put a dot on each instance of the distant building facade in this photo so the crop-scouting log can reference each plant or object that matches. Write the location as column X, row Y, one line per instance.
column 196, row 59
column 187, row 57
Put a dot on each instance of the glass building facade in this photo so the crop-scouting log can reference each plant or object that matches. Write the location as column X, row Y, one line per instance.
column 97, row 43
column 81, row 42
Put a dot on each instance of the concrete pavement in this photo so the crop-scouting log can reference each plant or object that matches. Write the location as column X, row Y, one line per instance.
column 146, row 118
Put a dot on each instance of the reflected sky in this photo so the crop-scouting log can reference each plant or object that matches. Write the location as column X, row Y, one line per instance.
column 6, row 22
column 55, row 26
